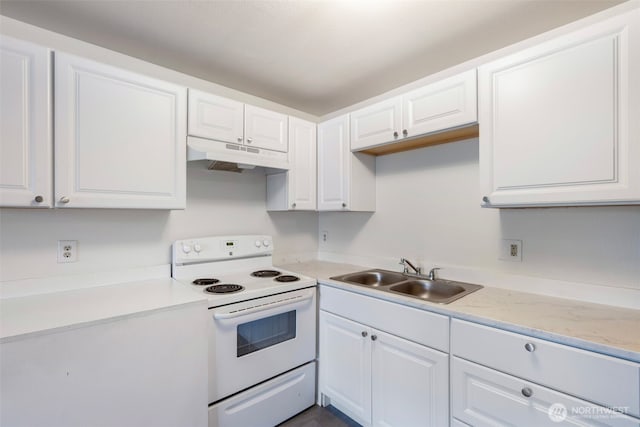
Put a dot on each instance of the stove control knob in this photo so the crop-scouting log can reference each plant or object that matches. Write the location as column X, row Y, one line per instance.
column 266, row 243
column 197, row 248
column 186, row 248
column 258, row 243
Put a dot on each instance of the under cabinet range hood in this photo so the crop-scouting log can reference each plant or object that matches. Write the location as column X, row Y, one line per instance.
column 244, row 157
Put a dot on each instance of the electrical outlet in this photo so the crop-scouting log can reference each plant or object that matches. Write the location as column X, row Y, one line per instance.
column 67, row 251
column 324, row 236
column 511, row 250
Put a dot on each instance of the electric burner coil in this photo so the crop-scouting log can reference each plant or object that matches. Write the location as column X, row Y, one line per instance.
column 266, row 273
column 286, row 278
column 225, row 288
column 205, row 281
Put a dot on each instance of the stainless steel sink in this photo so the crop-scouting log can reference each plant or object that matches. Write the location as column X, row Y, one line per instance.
column 441, row 291
column 438, row 290
column 372, row 278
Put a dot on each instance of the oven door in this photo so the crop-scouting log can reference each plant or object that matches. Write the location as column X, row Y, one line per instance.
column 253, row 341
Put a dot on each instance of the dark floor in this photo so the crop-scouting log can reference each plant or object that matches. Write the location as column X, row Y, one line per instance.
column 317, row 416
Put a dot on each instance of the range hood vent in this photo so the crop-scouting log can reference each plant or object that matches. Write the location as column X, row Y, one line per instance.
column 218, row 165
column 234, row 157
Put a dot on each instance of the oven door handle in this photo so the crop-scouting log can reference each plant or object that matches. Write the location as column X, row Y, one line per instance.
column 295, row 301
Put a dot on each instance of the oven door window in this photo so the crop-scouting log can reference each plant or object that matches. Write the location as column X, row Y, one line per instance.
column 266, row 332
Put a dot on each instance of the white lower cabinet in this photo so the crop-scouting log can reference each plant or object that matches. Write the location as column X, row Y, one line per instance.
column 501, row 378
column 379, row 379
column 485, row 397
column 134, row 370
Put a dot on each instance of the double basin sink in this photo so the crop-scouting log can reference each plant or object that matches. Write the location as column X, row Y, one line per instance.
column 437, row 290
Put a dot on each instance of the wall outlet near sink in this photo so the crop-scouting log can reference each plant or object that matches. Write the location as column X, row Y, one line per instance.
column 511, row 250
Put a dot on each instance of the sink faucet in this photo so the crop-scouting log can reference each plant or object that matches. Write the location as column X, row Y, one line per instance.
column 432, row 273
column 406, row 264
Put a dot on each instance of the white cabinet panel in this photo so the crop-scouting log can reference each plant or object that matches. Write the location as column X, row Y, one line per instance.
column 345, row 365
column 25, row 125
column 333, row 164
column 140, row 370
column 420, row 326
column 215, row 117
column 483, row 397
column 582, row 373
column 410, row 383
column 377, row 378
column 296, row 188
column 346, row 181
column 120, row 138
column 556, row 120
column 266, row 129
column 449, row 103
column 436, row 107
column 376, row 124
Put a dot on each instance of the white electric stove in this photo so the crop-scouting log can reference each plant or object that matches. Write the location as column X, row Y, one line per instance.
column 262, row 329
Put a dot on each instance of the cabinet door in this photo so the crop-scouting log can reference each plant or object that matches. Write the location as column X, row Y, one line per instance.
column 376, row 124
column 442, row 105
column 302, row 157
column 345, row 366
column 25, row 124
column 555, row 120
column 333, row 164
column 215, row 117
column 120, row 138
column 410, row 383
column 265, row 129
column 484, row 397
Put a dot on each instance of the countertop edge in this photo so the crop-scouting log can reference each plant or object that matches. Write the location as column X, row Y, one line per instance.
column 97, row 321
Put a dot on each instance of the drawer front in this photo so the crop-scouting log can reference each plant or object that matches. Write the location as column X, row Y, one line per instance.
column 484, row 397
column 601, row 379
column 410, row 323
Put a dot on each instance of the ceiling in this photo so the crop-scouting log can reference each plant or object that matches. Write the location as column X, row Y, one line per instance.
column 312, row 55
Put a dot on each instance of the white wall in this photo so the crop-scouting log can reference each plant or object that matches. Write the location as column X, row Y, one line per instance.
column 218, row 203
column 428, row 208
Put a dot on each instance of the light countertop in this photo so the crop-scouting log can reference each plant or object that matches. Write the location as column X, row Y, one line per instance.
column 24, row 316
column 600, row 328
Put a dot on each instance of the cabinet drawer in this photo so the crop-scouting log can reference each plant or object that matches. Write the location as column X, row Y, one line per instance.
column 484, row 397
column 601, row 379
column 413, row 324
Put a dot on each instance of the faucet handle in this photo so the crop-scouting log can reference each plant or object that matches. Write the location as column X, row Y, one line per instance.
column 432, row 273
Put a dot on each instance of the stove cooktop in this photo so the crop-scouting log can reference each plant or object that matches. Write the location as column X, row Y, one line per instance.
column 204, row 264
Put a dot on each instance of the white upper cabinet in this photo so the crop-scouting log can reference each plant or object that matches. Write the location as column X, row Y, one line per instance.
column 445, row 104
column 295, row 189
column 440, row 106
column 25, row 125
column 120, row 138
column 377, row 124
column 222, row 119
column 215, row 117
column 559, row 121
column 346, row 181
column 265, row 129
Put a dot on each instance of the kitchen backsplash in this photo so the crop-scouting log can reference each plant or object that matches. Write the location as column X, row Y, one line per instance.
column 428, row 209
column 218, row 203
